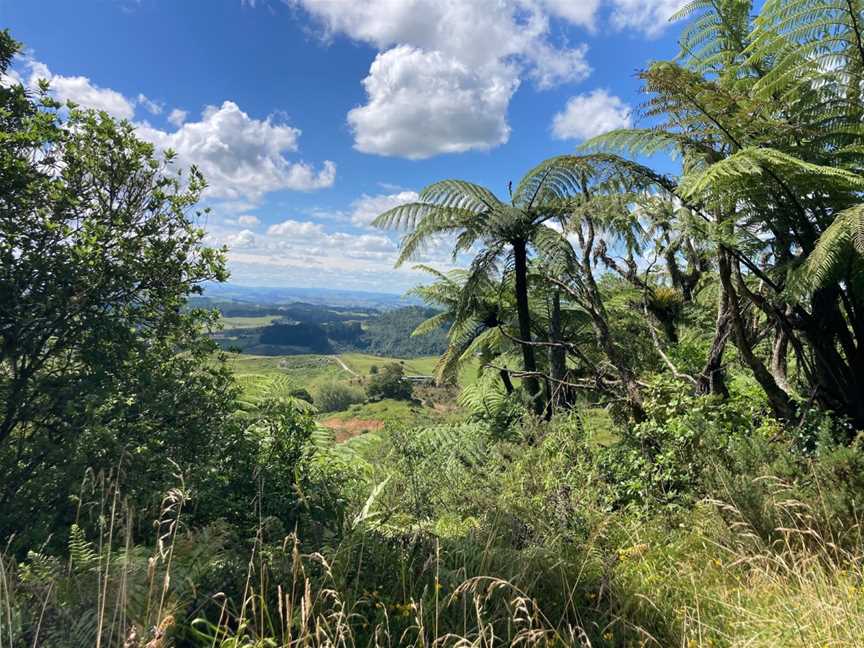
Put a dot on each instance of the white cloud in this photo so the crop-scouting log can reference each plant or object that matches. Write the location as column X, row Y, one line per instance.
column 476, row 33
column 176, row 117
column 305, row 253
column 82, row 91
column 366, row 208
column 423, row 103
column 248, row 220
column 153, row 107
column 241, row 157
column 10, row 78
column 587, row 115
column 650, row 17
column 293, row 240
column 297, row 229
column 578, row 12
column 244, row 239
column 553, row 67
column 448, row 69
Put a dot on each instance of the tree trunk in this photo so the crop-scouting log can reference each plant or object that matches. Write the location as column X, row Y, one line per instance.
column 557, row 355
column 505, row 378
column 532, row 385
column 712, row 380
column 779, row 400
column 779, row 365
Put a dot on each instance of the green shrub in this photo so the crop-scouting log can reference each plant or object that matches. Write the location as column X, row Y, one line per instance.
column 336, row 397
column 303, row 394
column 390, row 383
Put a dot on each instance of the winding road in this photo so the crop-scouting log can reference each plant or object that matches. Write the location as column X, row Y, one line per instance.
column 342, row 364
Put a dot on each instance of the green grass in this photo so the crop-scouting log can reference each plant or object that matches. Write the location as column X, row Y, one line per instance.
column 599, row 426
column 233, row 323
column 255, row 373
column 361, row 363
column 386, row 410
column 268, row 376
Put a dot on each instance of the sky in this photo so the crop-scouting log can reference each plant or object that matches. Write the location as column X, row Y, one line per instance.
column 310, row 117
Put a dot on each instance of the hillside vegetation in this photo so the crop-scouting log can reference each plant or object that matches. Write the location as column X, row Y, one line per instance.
column 644, row 428
column 299, row 329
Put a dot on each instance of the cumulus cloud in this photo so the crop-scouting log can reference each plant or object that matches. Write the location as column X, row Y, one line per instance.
column 578, row 12
column 424, row 103
column 366, row 208
column 241, row 157
column 82, row 91
column 292, row 240
column 649, row 17
column 304, row 252
column 247, row 219
column 153, row 107
column 10, row 78
column 588, row 115
column 448, row 69
column 176, row 117
column 244, row 239
column 297, row 229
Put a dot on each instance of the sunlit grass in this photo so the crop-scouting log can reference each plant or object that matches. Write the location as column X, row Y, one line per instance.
column 362, row 363
column 230, row 323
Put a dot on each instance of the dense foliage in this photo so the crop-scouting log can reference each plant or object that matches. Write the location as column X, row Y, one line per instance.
column 764, row 115
column 389, row 382
column 97, row 257
column 657, row 439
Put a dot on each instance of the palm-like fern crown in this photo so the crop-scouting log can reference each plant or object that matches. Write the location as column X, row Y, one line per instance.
column 766, row 115
column 472, row 305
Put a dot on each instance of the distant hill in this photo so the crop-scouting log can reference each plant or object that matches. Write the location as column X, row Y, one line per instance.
column 301, row 327
column 222, row 292
column 389, row 334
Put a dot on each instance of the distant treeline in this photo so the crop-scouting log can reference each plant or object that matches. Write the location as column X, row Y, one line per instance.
column 298, row 311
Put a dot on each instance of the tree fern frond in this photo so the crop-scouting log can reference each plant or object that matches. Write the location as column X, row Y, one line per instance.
column 431, row 324
column 754, row 162
column 838, row 254
column 461, row 195
column 553, row 249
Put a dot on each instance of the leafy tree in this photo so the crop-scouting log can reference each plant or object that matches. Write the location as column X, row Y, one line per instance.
column 390, row 382
column 305, row 336
column 98, row 356
column 267, row 464
column 389, row 334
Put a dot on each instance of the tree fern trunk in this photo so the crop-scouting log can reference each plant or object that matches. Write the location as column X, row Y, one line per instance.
column 779, row 400
column 532, row 385
column 712, row 380
column 557, row 354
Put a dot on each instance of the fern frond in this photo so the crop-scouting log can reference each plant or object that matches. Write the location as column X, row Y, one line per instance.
column 837, row 256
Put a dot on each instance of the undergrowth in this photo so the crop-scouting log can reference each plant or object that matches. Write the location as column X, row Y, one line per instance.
column 453, row 536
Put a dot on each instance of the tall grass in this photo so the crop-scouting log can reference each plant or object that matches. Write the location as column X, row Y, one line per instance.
column 714, row 579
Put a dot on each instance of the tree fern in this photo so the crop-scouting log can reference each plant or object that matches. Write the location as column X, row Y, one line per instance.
column 837, row 257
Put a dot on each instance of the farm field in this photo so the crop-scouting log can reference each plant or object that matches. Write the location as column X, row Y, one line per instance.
column 234, row 323
column 362, row 363
column 315, row 367
column 278, row 376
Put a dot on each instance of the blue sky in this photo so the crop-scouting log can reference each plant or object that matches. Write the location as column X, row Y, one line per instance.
column 308, row 117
